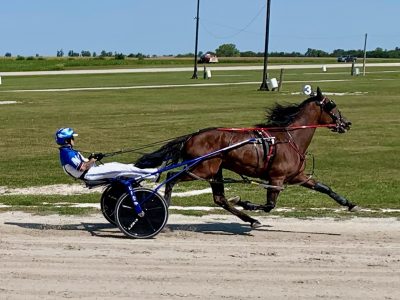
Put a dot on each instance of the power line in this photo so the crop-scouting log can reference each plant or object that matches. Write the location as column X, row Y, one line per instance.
column 238, row 30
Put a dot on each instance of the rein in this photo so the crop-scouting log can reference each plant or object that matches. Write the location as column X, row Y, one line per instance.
column 122, row 151
column 289, row 128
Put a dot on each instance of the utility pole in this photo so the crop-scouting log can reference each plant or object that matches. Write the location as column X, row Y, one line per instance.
column 197, row 40
column 365, row 53
column 264, row 86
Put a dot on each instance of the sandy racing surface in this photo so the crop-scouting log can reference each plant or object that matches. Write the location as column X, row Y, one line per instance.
column 213, row 257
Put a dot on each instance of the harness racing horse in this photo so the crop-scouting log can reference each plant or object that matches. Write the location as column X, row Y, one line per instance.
column 278, row 157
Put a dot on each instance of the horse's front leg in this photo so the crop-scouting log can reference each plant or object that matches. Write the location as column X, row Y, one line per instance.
column 323, row 188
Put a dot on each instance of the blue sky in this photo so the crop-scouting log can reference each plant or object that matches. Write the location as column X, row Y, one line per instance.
column 162, row 27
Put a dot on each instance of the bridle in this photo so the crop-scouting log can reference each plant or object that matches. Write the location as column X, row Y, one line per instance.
column 327, row 106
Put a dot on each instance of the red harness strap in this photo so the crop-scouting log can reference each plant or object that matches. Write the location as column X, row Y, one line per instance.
column 278, row 128
column 271, row 149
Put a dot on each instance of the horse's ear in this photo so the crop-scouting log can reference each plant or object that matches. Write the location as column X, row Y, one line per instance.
column 319, row 93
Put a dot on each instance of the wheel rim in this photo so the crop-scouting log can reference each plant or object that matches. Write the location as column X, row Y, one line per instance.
column 155, row 218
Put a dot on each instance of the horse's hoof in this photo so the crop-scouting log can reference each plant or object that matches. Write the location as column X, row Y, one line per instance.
column 354, row 208
column 268, row 208
column 256, row 224
column 234, row 200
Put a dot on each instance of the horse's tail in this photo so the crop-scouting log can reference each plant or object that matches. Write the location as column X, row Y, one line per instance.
column 170, row 152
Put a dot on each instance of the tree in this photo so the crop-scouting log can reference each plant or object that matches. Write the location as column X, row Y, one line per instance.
column 315, row 53
column 72, row 53
column 227, row 50
column 248, row 54
column 85, row 53
column 119, row 55
column 8, row 54
column 60, row 53
column 338, row 52
column 104, row 53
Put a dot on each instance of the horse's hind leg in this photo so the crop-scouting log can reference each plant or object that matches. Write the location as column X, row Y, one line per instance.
column 219, row 199
column 169, row 186
column 272, row 194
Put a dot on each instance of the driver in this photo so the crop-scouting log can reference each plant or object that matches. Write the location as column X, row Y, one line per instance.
column 79, row 167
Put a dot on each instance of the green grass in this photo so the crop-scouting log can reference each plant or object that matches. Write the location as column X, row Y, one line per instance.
column 362, row 164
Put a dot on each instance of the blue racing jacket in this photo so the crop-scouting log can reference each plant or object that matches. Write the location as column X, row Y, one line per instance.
column 71, row 161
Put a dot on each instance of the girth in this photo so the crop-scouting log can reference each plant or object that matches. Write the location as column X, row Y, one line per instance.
column 268, row 144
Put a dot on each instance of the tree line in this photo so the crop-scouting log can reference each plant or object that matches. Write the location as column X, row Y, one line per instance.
column 103, row 53
column 230, row 50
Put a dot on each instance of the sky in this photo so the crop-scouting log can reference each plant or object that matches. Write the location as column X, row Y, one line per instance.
column 167, row 27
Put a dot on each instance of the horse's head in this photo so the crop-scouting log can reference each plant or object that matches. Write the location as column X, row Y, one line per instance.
column 330, row 114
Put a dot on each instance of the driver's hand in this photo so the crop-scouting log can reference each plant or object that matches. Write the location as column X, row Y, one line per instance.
column 98, row 156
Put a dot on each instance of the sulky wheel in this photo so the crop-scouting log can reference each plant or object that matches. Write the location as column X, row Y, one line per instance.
column 109, row 200
column 155, row 214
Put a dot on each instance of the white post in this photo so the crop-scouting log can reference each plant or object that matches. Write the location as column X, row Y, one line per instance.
column 0, row 79
column 208, row 73
column 323, row 68
column 272, row 84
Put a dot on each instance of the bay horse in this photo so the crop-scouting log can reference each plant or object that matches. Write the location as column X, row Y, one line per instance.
column 278, row 158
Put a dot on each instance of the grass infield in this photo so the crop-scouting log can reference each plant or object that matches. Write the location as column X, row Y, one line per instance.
column 362, row 164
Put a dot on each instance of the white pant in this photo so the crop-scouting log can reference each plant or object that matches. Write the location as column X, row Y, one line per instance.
column 115, row 169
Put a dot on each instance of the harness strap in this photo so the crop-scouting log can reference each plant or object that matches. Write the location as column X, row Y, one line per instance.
column 260, row 135
column 268, row 142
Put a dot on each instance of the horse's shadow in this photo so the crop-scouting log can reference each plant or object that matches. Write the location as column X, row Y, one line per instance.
column 237, row 229
column 212, row 228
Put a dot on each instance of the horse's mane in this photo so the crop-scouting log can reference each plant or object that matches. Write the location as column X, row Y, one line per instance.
column 283, row 115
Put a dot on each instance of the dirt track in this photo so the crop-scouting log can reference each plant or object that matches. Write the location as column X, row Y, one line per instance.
column 214, row 257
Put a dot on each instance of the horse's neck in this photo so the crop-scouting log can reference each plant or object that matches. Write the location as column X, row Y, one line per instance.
column 303, row 137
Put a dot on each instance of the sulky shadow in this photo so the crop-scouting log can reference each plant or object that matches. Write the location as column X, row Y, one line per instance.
column 95, row 229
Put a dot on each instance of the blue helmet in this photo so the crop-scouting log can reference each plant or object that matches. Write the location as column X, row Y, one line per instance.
column 63, row 134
